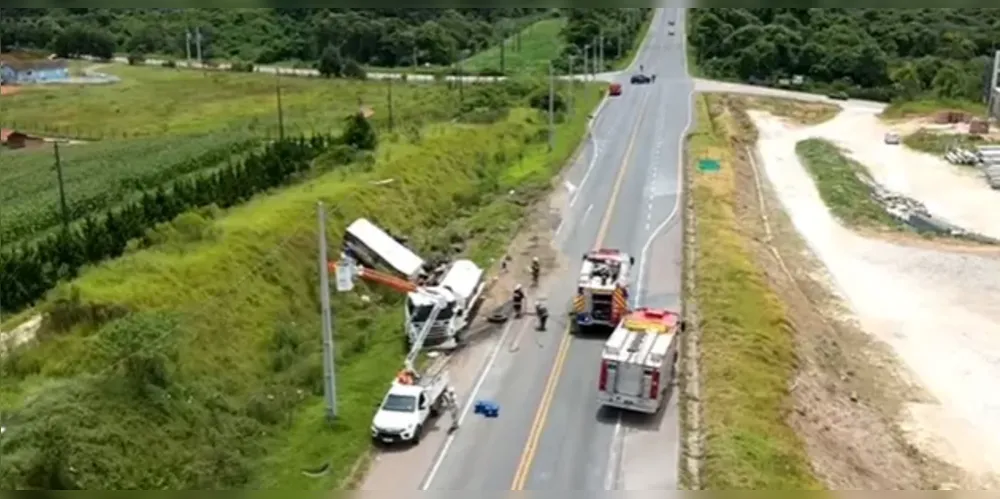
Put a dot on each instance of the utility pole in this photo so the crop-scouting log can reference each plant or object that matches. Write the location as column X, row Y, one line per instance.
column 415, row 65
column 600, row 42
column 187, row 45
column 62, row 190
column 552, row 107
column 618, row 53
column 197, row 41
column 586, row 53
column 329, row 362
column 503, row 52
column 389, row 97
column 572, row 84
column 990, row 100
column 281, row 110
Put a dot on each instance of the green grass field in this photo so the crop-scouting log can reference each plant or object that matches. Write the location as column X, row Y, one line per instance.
column 836, row 177
column 214, row 362
column 747, row 346
column 540, row 43
column 158, row 101
column 941, row 143
column 100, row 175
column 927, row 107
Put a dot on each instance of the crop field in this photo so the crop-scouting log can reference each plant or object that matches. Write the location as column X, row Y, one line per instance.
column 227, row 384
column 100, row 175
column 160, row 101
column 540, row 43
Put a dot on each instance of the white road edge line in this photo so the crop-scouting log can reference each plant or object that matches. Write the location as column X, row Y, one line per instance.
column 612, row 471
column 468, row 405
column 590, row 167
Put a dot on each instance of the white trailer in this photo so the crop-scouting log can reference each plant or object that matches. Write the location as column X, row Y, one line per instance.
column 407, row 407
column 366, row 242
column 639, row 361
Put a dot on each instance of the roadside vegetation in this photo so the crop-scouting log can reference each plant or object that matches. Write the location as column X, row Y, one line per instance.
column 878, row 54
column 837, row 179
column 940, row 143
column 202, row 344
column 747, row 351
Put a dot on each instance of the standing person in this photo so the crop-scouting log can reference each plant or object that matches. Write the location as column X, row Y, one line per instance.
column 543, row 314
column 518, row 300
column 536, row 270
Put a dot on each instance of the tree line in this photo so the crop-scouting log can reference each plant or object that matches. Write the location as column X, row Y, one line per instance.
column 376, row 37
column 881, row 54
column 30, row 270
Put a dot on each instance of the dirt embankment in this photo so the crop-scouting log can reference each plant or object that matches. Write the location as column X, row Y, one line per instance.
column 843, row 393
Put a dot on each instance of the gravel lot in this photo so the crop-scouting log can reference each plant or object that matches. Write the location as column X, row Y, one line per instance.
column 938, row 309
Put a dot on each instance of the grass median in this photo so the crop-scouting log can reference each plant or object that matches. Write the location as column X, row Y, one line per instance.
column 206, row 348
column 837, row 179
column 747, row 345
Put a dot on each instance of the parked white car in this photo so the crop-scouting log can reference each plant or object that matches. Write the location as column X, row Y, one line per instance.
column 892, row 138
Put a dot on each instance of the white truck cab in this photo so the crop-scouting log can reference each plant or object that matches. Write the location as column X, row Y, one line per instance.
column 407, row 407
column 639, row 360
column 460, row 290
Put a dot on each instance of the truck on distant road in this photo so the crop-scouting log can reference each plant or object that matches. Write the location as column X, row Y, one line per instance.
column 603, row 288
column 639, row 361
column 407, row 407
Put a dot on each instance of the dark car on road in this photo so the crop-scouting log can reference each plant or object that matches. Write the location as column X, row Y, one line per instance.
column 639, row 79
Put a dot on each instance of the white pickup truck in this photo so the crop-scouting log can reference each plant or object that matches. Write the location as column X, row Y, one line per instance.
column 407, row 407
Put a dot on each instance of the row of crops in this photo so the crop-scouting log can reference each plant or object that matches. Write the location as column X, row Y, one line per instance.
column 100, row 175
column 29, row 270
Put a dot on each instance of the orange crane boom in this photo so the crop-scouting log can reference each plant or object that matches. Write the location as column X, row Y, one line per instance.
column 372, row 275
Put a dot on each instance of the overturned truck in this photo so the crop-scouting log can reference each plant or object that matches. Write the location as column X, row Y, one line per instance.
column 454, row 288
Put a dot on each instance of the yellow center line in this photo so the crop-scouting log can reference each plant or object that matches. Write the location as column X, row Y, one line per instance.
column 541, row 415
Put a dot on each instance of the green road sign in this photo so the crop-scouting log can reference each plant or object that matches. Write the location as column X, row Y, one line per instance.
column 709, row 165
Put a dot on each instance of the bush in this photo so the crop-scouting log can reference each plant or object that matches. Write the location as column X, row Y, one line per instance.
column 241, row 67
column 136, row 58
column 353, row 70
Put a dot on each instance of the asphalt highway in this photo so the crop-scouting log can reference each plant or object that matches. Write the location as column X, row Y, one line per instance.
column 551, row 434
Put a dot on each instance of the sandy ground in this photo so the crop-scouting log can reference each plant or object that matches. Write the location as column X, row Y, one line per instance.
column 937, row 311
column 8, row 90
column 955, row 193
column 20, row 335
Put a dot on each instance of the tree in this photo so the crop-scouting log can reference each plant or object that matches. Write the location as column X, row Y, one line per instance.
column 330, row 63
column 889, row 53
column 359, row 133
column 81, row 40
column 906, row 81
column 352, row 69
column 136, row 58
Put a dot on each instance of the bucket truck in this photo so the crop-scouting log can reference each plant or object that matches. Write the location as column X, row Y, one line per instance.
column 457, row 285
